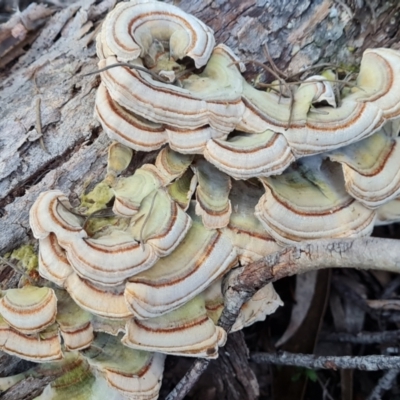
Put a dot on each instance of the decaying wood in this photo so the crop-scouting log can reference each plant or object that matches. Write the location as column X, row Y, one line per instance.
column 242, row 283
column 27, row 389
column 76, row 149
column 366, row 363
column 230, row 376
column 364, row 337
column 366, row 253
column 232, row 369
column 9, row 364
column 386, row 382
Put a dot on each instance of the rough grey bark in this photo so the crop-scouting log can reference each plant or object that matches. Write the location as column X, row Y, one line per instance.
column 236, row 379
column 75, row 148
column 364, row 337
column 365, row 363
column 27, row 389
column 387, row 381
column 365, row 253
column 298, row 33
column 229, row 377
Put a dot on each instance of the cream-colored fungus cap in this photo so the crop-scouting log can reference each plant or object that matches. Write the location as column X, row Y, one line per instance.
column 119, row 158
column 75, row 323
column 379, row 80
column 374, row 100
column 309, row 201
column 42, row 347
column 186, row 331
column 141, row 134
column 201, row 257
column 53, row 262
column 244, row 156
column 371, row 169
column 110, row 259
column 172, row 164
column 30, row 309
column 244, row 230
column 160, row 223
column 132, row 27
column 49, row 213
column 106, row 302
column 130, row 191
column 182, row 189
column 78, row 381
column 212, row 97
column 135, row 374
column 212, row 195
column 309, row 132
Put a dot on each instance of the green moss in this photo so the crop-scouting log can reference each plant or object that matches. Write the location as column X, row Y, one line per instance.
column 27, row 256
column 349, row 68
column 97, row 199
column 93, row 225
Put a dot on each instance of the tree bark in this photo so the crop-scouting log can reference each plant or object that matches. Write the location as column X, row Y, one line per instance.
column 57, row 54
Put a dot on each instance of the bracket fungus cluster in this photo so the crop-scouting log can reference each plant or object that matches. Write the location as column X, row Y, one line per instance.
column 240, row 172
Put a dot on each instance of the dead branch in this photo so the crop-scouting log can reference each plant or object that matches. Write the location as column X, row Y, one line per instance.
column 28, row 388
column 364, row 337
column 365, row 363
column 384, row 384
column 366, row 253
column 187, row 382
column 242, row 283
column 391, row 288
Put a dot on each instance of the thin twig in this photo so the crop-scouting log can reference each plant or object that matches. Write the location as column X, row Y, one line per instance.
column 365, row 363
column 385, row 383
column 17, row 269
column 363, row 337
column 345, row 83
column 316, row 66
column 259, row 64
column 39, row 125
column 271, row 61
column 337, row 90
column 243, row 282
column 284, row 83
column 391, row 287
column 346, row 8
column 373, row 15
column 103, row 213
column 325, row 392
column 130, row 66
column 11, row 265
column 187, row 382
column 365, row 253
column 70, row 209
